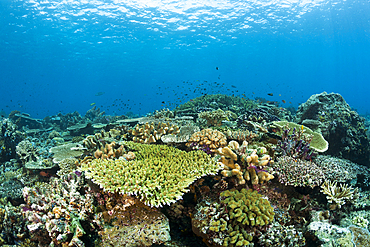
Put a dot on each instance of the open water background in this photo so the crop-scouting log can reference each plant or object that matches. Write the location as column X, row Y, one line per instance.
column 64, row 55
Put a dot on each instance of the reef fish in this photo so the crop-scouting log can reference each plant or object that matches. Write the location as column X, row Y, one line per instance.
column 99, row 93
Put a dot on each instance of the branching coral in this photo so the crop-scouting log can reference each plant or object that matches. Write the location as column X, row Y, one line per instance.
column 338, row 195
column 279, row 235
column 54, row 211
column 298, row 173
column 159, row 174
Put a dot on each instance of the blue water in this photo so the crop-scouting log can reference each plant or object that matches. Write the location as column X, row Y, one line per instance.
column 64, row 55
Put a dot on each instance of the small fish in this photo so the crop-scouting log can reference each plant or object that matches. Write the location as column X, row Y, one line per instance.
column 216, row 68
column 99, row 93
column 92, row 104
column 270, row 94
column 283, row 101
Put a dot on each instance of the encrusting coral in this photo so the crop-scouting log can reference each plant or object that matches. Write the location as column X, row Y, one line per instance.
column 338, row 195
column 174, row 170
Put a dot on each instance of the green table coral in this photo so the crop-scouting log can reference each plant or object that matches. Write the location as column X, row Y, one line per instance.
column 159, row 174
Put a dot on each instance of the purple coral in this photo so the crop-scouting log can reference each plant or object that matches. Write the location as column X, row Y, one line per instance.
column 294, row 145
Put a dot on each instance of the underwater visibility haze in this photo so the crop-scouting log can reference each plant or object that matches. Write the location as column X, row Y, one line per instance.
column 184, row 123
column 57, row 56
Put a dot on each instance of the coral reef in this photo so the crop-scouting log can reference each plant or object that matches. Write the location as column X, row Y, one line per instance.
column 207, row 138
column 361, row 236
column 12, row 225
column 26, row 151
column 67, row 166
column 214, row 102
column 298, row 172
column 340, row 125
column 10, row 137
column 241, row 135
column 233, row 220
column 339, row 170
column 215, row 118
column 55, row 211
column 173, row 169
column 257, row 115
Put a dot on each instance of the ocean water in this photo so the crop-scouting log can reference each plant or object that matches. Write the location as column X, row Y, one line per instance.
column 139, row 56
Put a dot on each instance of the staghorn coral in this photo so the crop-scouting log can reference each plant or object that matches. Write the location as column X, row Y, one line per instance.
column 213, row 139
column 338, row 195
column 151, row 133
column 54, row 211
column 159, row 174
column 298, row 173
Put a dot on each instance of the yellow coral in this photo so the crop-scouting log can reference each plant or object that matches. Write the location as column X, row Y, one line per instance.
column 245, row 207
column 159, row 174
